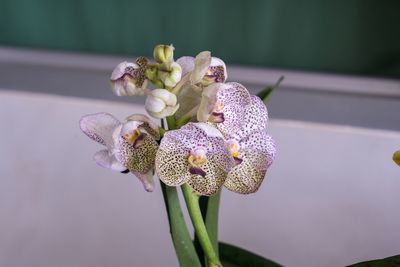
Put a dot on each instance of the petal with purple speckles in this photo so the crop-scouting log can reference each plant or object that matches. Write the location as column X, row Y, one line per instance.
column 99, row 127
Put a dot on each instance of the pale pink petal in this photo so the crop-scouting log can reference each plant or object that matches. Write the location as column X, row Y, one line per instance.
column 99, row 127
column 104, row 159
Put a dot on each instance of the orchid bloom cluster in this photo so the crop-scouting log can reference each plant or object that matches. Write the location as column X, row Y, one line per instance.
column 220, row 138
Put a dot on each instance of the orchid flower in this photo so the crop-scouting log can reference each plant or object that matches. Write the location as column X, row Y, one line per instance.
column 204, row 69
column 130, row 146
column 242, row 118
column 195, row 154
column 223, row 105
column 161, row 103
column 197, row 73
column 129, row 79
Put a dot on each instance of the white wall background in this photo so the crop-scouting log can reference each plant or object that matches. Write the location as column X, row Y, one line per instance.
column 331, row 198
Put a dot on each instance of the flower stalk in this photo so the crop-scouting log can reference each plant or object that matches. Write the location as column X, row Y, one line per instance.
column 192, row 203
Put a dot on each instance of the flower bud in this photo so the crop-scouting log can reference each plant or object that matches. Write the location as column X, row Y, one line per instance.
column 173, row 76
column 164, row 53
column 128, row 79
column 161, row 103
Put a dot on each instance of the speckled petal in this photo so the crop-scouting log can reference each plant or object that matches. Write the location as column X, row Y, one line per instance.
column 99, row 127
column 172, row 165
column 235, row 99
column 104, row 159
column 244, row 178
column 137, row 158
column 257, row 154
column 216, row 170
column 123, row 68
column 217, row 62
column 146, row 124
column 255, row 119
column 261, row 142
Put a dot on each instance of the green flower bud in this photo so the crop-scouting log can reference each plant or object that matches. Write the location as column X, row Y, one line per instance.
column 163, row 53
column 151, row 73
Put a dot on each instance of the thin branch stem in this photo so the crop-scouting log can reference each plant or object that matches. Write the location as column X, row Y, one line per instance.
column 192, row 203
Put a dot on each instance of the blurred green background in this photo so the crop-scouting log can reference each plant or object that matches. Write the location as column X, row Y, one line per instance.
column 351, row 37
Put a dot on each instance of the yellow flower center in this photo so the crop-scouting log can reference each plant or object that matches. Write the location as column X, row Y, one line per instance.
column 197, row 157
column 219, row 105
column 233, row 147
column 131, row 137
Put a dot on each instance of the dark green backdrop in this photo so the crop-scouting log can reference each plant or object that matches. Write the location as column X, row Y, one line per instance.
column 361, row 37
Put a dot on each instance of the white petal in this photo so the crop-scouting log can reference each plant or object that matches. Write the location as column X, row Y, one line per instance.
column 154, row 104
column 99, row 127
column 208, row 100
column 209, row 130
column 201, row 64
column 167, row 111
column 104, row 159
column 143, row 118
column 129, row 127
column 121, row 69
column 174, row 76
column 187, row 64
column 165, row 95
column 146, row 179
column 146, row 124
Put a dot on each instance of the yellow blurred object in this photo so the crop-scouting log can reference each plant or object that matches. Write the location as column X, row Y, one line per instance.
column 396, row 157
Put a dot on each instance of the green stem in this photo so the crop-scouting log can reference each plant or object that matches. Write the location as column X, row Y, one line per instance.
column 192, row 203
column 211, row 219
column 171, row 122
column 184, row 248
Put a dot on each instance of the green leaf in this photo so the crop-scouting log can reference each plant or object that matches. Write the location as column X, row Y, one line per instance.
column 266, row 93
column 181, row 238
column 393, row 261
column 232, row 256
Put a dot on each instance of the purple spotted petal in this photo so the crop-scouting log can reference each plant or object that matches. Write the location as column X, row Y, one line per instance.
column 256, row 118
column 172, row 165
column 235, row 98
column 106, row 160
column 99, row 127
column 257, row 152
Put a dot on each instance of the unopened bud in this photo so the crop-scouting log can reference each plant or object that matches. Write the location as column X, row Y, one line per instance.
column 161, row 103
column 164, row 53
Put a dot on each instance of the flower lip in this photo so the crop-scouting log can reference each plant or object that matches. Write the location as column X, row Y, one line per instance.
column 198, row 156
column 216, row 74
column 197, row 171
column 234, row 147
column 217, row 117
